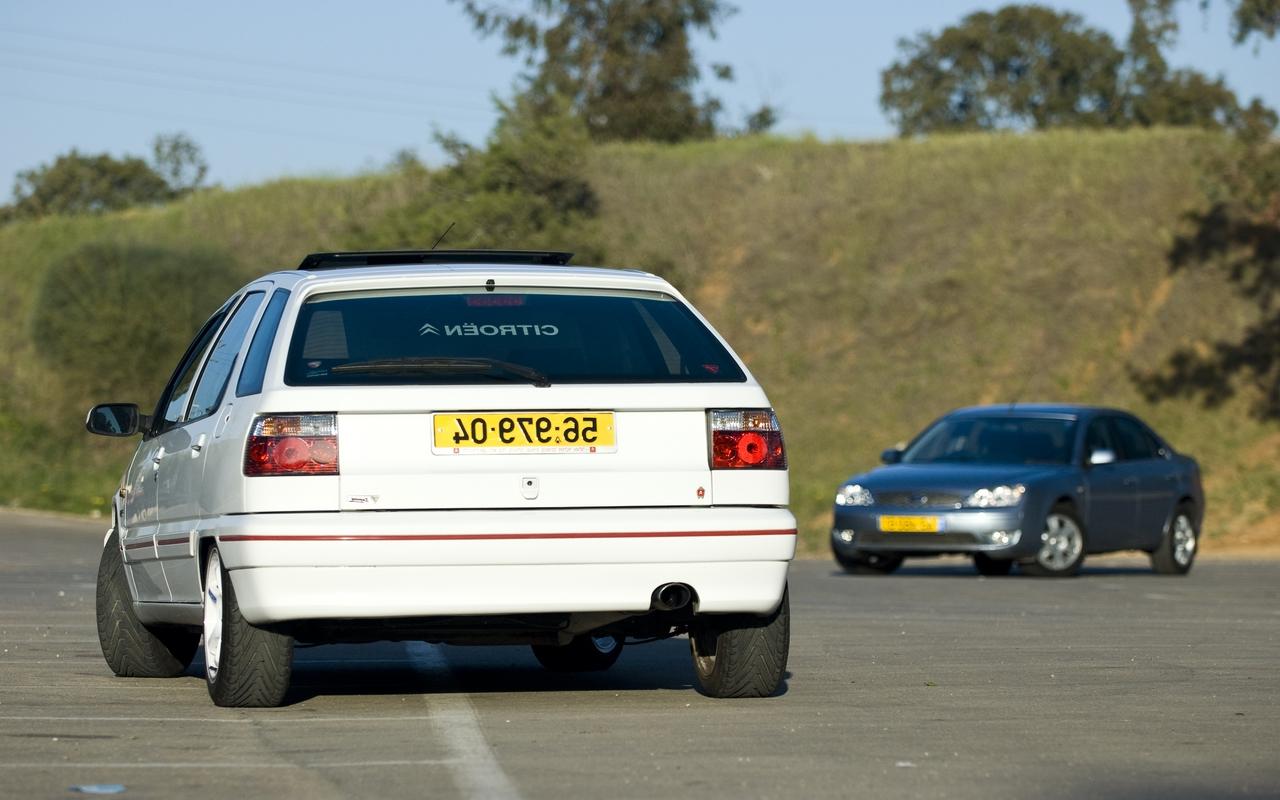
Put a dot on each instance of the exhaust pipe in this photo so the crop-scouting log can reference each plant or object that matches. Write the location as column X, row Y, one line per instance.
column 672, row 596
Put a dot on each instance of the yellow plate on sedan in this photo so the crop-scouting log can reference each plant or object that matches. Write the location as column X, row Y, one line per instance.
column 890, row 524
column 524, row 432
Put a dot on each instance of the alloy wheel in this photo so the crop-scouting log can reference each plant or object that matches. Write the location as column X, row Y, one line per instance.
column 213, row 616
column 1184, row 540
column 1063, row 543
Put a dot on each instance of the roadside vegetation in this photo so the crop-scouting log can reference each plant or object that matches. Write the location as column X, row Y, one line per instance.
column 1064, row 219
column 870, row 286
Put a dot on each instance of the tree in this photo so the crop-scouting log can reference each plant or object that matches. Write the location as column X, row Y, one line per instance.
column 1020, row 67
column 82, row 184
column 526, row 188
column 625, row 66
column 1239, row 231
column 178, row 159
column 1030, row 67
column 77, row 184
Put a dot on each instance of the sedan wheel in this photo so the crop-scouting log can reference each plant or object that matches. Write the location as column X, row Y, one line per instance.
column 1178, row 546
column 1062, row 545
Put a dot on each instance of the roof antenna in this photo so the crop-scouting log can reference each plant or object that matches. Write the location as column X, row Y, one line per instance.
column 446, row 233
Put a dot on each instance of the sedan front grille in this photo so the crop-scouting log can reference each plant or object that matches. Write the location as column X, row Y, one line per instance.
column 921, row 499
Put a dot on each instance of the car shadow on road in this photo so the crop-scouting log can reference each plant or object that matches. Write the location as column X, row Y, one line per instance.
column 961, row 570
column 388, row 669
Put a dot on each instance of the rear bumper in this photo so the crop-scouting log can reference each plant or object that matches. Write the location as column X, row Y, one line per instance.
column 362, row 565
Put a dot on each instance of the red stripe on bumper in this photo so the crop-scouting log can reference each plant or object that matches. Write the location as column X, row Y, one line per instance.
column 454, row 537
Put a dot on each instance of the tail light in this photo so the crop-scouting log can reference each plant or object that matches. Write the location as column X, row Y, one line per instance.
column 292, row 444
column 746, row 439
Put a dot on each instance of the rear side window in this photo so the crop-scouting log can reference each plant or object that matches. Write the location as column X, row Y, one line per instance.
column 255, row 361
column 478, row 337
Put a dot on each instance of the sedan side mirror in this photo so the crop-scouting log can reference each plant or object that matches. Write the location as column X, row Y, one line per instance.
column 891, row 456
column 115, row 419
column 1102, row 456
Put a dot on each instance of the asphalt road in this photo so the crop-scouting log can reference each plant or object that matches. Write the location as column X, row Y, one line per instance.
column 930, row 683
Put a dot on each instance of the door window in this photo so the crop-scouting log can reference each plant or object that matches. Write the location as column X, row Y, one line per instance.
column 174, row 399
column 1135, row 443
column 222, row 359
column 1098, row 437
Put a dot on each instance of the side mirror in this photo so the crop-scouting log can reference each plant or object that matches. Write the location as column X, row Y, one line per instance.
column 891, row 456
column 1099, row 457
column 115, row 419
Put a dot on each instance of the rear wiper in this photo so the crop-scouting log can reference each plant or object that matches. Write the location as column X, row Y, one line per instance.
column 442, row 364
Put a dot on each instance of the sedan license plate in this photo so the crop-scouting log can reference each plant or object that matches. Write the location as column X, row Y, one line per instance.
column 911, row 524
column 525, row 432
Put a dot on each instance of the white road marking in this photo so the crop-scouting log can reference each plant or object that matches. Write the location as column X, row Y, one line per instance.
column 475, row 768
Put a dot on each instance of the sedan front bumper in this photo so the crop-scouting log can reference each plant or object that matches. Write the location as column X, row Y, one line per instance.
column 999, row 533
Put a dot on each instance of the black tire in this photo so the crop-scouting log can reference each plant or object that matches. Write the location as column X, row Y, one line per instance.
column 1042, row 566
column 134, row 650
column 586, row 653
column 741, row 656
column 986, row 565
column 865, row 563
column 1173, row 556
column 253, row 665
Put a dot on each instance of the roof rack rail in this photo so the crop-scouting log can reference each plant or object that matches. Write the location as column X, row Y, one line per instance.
column 375, row 258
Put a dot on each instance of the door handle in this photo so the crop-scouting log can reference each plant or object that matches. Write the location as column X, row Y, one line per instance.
column 1130, row 481
column 199, row 445
column 156, row 459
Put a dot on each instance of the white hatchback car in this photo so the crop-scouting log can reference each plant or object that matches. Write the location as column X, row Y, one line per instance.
column 449, row 446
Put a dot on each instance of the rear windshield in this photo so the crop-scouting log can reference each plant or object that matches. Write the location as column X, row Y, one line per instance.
column 478, row 337
column 995, row 440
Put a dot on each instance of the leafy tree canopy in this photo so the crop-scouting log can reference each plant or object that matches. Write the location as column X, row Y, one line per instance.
column 1032, row 67
column 526, row 189
column 1020, row 67
column 76, row 183
column 624, row 65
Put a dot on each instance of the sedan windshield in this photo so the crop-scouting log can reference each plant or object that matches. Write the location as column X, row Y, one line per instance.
column 994, row 440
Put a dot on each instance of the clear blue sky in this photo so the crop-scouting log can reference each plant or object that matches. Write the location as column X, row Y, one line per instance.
column 321, row 87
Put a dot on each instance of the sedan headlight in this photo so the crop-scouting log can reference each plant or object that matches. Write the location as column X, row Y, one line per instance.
column 853, row 495
column 996, row 497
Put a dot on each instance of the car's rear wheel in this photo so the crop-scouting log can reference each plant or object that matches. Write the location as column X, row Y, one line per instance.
column 986, row 565
column 741, row 656
column 1177, row 550
column 864, row 563
column 133, row 650
column 245, row 666
column 585, row 653
column 1062, row 546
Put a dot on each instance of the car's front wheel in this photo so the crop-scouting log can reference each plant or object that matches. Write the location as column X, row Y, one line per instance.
column 585, row 653
column 865, row 563
column 741, row 656
column 1061, row 546
column 245, row 666
column 133, row 650
column 1178, row 546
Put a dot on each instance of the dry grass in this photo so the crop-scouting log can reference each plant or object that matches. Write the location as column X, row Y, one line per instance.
column 871, row 287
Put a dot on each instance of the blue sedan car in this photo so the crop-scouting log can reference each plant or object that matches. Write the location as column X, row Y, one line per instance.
column 1039, row 485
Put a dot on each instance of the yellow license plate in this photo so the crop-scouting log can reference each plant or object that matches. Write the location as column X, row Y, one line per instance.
column 525, row 432
column 910, row 524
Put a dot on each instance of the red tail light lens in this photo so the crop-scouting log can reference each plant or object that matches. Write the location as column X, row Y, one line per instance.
column 292, row 444
column 746, row 439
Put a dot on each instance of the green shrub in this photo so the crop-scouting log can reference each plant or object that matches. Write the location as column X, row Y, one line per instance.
column 112, row 319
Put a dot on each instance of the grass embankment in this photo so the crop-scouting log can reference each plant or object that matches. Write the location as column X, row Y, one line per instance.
column 871, row 287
